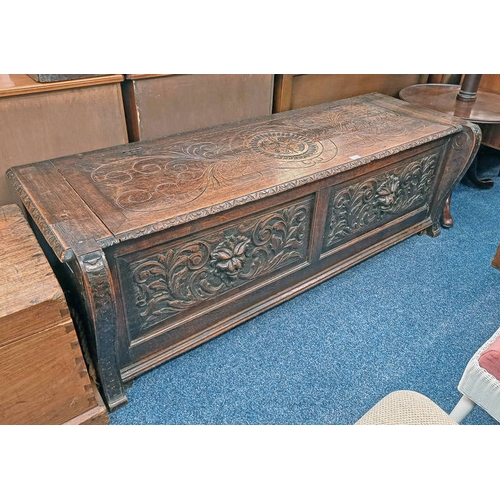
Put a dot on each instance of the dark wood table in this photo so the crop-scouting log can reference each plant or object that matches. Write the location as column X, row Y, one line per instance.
column 484, row 110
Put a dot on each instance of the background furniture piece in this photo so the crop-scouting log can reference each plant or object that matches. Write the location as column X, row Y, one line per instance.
column 173, row 241
column 406, row 408
column 160, row 105
column 40, row 121
column 298, row 91
column 480, row 382
column 484, row 110
column 43, row 376
column 491, row 132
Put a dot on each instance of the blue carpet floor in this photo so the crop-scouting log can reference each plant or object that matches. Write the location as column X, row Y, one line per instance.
column 408, row 318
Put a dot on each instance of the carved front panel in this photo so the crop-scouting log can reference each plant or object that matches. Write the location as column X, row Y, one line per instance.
column 361, row 206
column 177, row 277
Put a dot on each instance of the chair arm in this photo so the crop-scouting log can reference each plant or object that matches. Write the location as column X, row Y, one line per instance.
column 490, row 359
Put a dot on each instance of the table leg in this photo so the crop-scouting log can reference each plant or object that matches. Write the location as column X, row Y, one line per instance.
column 447, row 219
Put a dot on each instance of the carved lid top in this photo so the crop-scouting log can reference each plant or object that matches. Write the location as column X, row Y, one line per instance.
column 147, row 186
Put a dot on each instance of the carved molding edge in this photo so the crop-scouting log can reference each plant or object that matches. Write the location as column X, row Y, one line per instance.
column 62, row 253
column 265, row 193
column 100, row 302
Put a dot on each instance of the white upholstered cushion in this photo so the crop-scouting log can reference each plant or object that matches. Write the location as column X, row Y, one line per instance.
column 406, row 408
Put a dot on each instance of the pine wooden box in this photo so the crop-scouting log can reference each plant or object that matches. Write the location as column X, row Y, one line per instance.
column 43, row 376
column 172, row 241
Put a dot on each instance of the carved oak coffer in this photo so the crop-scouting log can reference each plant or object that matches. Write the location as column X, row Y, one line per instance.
column 170, row 242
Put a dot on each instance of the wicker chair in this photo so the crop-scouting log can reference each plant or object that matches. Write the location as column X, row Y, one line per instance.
column 480, row 382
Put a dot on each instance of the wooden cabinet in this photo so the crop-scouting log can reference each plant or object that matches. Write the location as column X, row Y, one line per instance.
column 41, row 121
column 298, row 91
column 160, row 105
column 43, row 375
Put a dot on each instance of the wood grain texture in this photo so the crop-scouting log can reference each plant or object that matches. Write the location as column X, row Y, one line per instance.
column 14, row 85
column 43, row 375
column 215, row 226
column 443, row 98
column 41, row 126
column 66, row 222
column 44, row 379
column 153, row 185
column 26, row 281
column 490, row 83
column 484, row 110
column 94, row 416
column 165, row 105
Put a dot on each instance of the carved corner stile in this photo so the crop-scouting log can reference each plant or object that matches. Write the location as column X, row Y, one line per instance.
column 97, row 289
column 461, row 153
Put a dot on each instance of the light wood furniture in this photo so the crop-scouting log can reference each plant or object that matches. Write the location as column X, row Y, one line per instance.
column 43, row 376
column 159, row 105
column 40, row 121
column 170, row 242
column 298, row 91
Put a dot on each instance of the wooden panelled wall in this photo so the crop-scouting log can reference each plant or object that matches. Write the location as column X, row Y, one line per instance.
column 491, row 133
column 41, row 121
column 298, row 91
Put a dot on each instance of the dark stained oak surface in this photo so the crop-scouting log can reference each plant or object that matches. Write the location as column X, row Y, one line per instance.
column 170, row 242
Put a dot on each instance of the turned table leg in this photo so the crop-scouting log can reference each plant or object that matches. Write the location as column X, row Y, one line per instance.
column 447, row 219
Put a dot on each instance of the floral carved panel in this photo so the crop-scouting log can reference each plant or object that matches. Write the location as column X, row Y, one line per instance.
column 358, row 207
column 180, row 276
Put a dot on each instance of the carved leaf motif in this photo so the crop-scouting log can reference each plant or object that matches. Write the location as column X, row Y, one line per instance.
column 369, row 202
column 180, row 277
